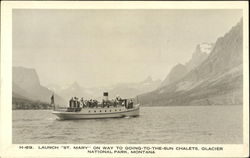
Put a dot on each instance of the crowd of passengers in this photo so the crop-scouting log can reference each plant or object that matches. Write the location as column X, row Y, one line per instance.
column 76, row 103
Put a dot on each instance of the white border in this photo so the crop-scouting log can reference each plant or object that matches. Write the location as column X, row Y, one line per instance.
column 9, row 150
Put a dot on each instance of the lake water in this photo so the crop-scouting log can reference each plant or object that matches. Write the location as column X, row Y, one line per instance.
column 155, row 125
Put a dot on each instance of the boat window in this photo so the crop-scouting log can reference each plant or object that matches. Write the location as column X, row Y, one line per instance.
column 110, row 110
column 100, row 110
column 89, row 110
column 119, row 109
column 115, row 109
column 94, row 111
column 105, row 110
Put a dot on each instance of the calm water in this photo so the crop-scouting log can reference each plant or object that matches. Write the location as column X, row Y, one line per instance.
column 163, row 125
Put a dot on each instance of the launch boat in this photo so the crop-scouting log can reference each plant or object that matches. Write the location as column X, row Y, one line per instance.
column 107, row 109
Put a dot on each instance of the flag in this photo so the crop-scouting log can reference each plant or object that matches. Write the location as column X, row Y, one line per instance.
column 52, row 99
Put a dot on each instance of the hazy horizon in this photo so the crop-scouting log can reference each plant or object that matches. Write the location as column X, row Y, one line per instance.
column 105, row 47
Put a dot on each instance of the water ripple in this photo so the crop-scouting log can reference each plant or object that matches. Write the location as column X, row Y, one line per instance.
column 158, row 125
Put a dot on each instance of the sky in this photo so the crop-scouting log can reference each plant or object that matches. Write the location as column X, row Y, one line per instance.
column 104, row 47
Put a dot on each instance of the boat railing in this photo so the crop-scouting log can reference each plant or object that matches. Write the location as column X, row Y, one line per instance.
column 61, row 109
column 73, row 109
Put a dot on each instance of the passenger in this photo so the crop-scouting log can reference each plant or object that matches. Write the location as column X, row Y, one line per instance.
column 115, row 102
column 78, row 103
column 71, row 102
column 120, row 101
column 117, row 97
column 91, row 103
column 103, row 103
column 130, row 103
column 125, row 103
column 88, row 104
column 95, row 103
column 74, row 102
column 82, row 103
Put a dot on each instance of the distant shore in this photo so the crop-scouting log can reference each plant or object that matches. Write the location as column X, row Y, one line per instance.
column 30, row 109
column 31, row 106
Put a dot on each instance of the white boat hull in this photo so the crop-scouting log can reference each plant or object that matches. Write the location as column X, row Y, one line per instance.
column 95, row 113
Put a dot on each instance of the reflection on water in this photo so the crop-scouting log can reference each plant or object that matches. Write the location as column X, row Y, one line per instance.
column 161, row 125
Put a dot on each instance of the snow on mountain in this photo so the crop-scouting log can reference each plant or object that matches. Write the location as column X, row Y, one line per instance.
column 178, row 71
column 206, row 47
column 200, row 54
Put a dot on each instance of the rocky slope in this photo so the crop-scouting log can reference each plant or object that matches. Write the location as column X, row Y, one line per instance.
column 179, row 71
column 217, row 80
column 176, row 73
column 200, row 54
column 26, row 84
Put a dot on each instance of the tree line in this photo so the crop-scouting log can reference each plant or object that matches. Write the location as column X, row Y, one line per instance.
column 23, row 104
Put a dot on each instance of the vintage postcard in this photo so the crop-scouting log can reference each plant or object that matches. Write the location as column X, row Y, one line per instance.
column 124, row 79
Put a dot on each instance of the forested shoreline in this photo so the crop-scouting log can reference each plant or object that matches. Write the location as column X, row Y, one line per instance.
column 24, row 104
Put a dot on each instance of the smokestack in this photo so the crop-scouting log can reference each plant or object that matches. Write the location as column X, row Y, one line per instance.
column 106, row 96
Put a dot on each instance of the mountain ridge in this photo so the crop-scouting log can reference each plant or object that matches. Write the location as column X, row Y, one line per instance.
column 125, row 90
column 180, row 70
column 26, row 84
column 217, row 80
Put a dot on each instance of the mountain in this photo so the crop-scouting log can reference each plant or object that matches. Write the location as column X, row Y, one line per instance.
column 217, row 80
column 71, row 90
column 178, row 71
column 200, row 54
column 148, row 80
column 148, row 85
column 26, row 84
column 125, row 90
